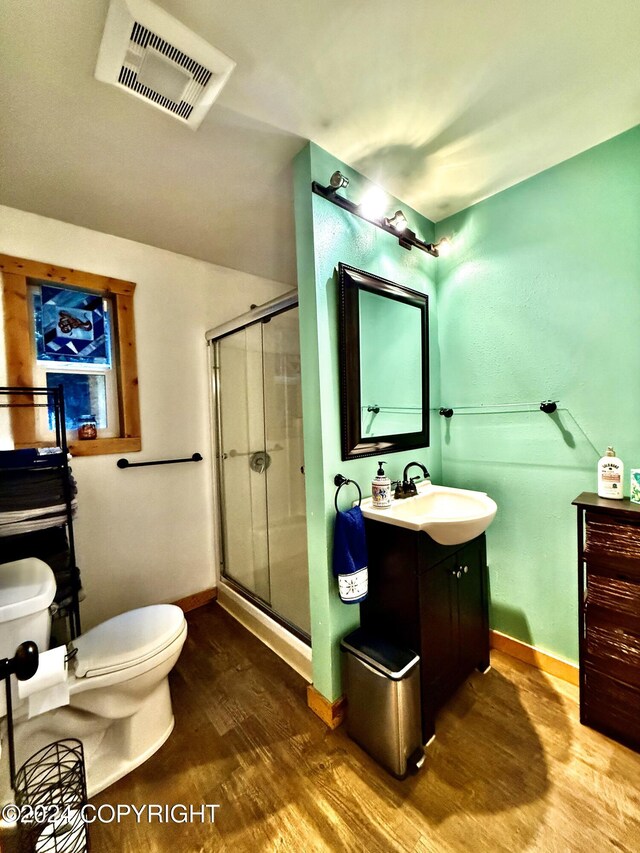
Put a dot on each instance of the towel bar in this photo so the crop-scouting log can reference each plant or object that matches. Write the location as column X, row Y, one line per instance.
column 341, row 481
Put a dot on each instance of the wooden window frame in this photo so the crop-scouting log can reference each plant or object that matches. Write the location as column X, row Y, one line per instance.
column 20, row 360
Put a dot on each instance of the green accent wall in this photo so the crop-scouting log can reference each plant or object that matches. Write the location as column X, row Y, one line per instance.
column 540, row 298
column 325, row 235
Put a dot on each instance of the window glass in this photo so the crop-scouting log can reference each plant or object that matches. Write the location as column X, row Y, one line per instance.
column 85, row 395
column 72, row 338
column 71, row 326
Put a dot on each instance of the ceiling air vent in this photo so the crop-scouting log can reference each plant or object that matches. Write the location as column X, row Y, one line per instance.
column 156, row 58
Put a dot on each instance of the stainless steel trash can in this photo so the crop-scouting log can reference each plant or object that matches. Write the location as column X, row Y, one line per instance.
column 382, row 685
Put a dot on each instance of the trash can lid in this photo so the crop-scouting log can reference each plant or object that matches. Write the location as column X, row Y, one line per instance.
column 394, row 661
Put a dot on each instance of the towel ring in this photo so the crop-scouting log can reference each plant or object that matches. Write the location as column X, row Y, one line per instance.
column 341, row 481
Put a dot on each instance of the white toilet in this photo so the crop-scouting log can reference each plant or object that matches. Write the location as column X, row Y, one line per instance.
column 119, row 701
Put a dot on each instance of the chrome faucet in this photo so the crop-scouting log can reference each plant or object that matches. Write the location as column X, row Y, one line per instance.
column 407, row 488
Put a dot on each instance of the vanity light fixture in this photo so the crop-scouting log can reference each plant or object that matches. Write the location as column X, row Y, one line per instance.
column 398, row 221
column 337, row 181
column 444, row 247
column 395, row 225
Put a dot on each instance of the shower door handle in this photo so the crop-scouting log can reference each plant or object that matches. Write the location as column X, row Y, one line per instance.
column 234, row 453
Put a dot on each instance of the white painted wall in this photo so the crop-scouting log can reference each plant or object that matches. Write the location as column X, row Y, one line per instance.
column 146, row 535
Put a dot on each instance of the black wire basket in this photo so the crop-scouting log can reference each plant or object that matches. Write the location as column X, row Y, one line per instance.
column 50, row 791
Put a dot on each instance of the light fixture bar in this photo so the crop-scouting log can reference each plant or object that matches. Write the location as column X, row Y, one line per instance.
column 407, row 238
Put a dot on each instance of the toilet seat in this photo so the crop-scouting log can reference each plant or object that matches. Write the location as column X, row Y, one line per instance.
column 127, row 640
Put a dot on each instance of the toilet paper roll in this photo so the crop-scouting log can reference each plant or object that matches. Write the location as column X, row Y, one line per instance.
column 49, row 687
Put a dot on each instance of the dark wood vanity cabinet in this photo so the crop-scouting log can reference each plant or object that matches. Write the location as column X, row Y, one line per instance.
column 609, row 616
column 433, row 599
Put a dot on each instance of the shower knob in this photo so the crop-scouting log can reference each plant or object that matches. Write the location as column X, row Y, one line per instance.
column 259, row 461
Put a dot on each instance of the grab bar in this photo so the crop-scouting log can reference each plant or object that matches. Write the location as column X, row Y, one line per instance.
column 124, row 463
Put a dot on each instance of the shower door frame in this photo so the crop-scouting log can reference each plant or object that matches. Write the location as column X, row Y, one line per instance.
column 258, row 314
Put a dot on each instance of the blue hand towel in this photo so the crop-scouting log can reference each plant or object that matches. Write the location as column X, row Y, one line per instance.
column 350, row 556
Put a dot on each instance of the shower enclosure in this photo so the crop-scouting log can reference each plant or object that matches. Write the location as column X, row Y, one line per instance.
column 257, row 406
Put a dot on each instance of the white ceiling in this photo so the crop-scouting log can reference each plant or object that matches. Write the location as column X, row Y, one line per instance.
column 442, row 103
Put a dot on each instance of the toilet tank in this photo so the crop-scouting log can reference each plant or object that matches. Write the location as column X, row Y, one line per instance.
column 27, row 588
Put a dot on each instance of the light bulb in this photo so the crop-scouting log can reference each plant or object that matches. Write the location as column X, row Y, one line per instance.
column 444, row 247
column 373, row 203
column 398, row 221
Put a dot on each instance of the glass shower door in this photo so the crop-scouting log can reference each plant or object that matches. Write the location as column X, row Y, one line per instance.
column 244, row 498
column 261, row 466
column 287, row 524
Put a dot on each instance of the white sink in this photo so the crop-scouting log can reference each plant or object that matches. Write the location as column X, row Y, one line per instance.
column 450, row 516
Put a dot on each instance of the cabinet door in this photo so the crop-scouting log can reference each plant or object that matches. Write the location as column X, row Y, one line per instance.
column 391, row 607
column 473, row 633
column 439, row 641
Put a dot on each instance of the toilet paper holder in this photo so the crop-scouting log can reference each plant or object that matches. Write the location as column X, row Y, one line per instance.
column 24, row 666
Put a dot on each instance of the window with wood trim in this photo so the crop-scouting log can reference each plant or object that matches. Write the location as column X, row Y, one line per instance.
column 75, row 329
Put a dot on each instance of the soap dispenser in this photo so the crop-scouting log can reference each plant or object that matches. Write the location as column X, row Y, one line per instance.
column 610, row 475
column 381, row 488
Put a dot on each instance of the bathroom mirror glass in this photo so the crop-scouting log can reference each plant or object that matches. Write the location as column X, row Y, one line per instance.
column 384, row 365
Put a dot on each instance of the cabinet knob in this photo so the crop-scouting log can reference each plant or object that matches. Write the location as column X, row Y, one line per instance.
column 459, row 574
column 465, row 569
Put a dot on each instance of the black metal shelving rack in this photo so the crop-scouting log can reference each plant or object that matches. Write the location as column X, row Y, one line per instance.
column 53, row 398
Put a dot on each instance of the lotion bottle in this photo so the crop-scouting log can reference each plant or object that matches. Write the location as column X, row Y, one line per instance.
column 610, row 476
column 381, row 488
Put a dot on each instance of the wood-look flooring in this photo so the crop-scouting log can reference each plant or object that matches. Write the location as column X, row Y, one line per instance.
column 511, row 768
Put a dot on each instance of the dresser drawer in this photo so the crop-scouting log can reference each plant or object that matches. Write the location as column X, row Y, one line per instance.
column 611, row 706
column 617, row 594
column 613, row 566
column 611, row 538
column 613, row 645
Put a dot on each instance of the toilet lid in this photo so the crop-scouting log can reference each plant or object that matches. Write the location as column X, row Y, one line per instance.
column 26, row 587
column 127, row 640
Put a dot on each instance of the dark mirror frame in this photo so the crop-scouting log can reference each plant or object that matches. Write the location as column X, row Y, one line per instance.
column 351, row 281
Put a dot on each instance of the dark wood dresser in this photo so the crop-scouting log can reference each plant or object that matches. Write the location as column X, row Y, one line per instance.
column 609, row 616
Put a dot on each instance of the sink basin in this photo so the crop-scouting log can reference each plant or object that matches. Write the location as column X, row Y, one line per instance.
column 450, row 516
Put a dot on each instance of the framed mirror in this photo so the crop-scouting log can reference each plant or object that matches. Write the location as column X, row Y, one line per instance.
column 384, row 365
